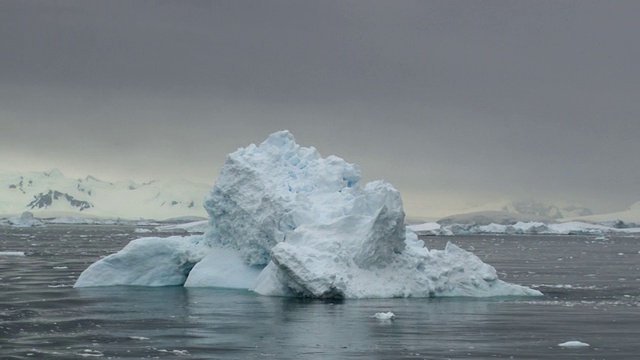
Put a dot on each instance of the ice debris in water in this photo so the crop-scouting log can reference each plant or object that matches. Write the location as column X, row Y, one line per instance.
column 11, row 253
column 385, row 315
column 573, row 344
column 141, row 338
column 285, row 221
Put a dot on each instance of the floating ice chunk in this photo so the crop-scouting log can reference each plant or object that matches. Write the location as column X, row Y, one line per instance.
column 147, row 261
column 385, row 315
column 11, row 253
column 90, row 353
column 175, row 352
column 141, row 338
column 573, row 344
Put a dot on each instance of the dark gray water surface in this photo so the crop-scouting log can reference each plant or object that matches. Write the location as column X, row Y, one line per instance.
column 591, row 286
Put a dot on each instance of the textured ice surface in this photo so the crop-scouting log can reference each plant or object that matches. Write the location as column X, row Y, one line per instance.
column 285, row 221
column 148, row 261
column 224, row 268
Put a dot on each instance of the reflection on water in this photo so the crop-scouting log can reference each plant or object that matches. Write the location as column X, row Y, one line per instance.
column 591, row 294
column 227, row 322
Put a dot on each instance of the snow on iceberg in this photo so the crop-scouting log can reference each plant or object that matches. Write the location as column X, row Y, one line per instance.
column 285, row 221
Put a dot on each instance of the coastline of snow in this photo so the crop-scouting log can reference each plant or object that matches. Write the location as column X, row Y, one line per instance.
column 190, row 227
column 285, row 221
column 530, row 228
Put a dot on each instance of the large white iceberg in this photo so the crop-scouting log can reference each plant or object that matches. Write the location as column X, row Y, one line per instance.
column 286, row 222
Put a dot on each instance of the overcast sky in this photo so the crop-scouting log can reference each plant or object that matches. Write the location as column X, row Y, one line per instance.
column 456, row 103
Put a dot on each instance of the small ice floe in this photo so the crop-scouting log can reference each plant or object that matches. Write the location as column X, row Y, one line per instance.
column 565, row 286
column 11, row 253
column 60, row 267
column 175, row 352
column 90, row 353
column 142, row 230
column 573, row 344
column 385, row 316
column 138, row 338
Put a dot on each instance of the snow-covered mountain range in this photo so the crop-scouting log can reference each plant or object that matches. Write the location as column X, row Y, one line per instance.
column 52, row 194
column 49, row 194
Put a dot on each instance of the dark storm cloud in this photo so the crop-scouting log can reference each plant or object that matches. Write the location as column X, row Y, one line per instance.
column 448, row 100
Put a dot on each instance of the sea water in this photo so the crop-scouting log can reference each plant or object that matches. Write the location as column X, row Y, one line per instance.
column 591, row 286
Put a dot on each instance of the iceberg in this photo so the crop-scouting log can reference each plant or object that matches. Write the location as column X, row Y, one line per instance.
column 26, row 219
column 284, row 221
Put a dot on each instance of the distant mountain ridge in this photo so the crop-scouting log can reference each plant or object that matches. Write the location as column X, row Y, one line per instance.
column 630, row 215
column 552, row 211
column 52, row 194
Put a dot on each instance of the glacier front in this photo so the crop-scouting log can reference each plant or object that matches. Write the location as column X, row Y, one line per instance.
column 285, row 221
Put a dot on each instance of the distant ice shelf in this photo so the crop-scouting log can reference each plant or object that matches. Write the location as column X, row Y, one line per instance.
column 531, row 228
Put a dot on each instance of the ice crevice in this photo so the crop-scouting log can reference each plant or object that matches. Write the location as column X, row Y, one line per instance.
column 284, row 221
